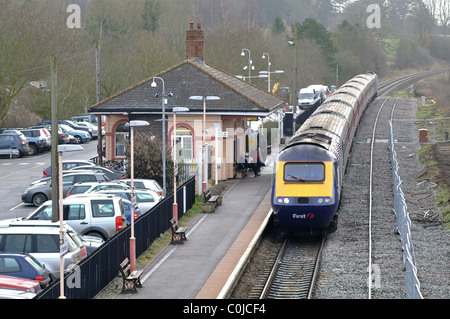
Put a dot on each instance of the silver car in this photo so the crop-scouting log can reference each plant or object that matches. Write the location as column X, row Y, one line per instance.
column 38, row 193
column 145, row 199
column 42, row 243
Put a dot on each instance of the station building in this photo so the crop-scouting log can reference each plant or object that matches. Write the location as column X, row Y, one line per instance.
column 226, row 119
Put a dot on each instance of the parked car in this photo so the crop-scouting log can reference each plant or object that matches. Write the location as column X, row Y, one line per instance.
column 80, row 136
column 86, row 243
column 145, row 199
column 67, row 165
column 36, row 142
column 111, row 174
column 63, row 138
column 100, row 216
column 45, row 133
column 145, row 184
column 88, row 187
column 38, row 193
column 94, row 129
column 25, row 266
column 126, row 205
column 42, row 243
column 7, row 293
column 14, row 143
column 20, row 284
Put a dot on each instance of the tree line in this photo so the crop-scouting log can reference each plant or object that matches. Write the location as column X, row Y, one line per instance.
column 139, row 38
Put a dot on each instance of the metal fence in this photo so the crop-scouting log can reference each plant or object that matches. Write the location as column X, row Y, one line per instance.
column 95, row 272
column 403, row 226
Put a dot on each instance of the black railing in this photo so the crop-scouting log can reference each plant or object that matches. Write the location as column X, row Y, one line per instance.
column 95, row 272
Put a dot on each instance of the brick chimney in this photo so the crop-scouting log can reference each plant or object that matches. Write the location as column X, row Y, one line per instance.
column 194, row 42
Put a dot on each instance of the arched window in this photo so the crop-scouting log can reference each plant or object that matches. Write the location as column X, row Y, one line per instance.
column 121, row 137
column 184, row 143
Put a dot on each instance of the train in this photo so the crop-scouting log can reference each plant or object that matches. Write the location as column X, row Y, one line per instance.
column 307, row 183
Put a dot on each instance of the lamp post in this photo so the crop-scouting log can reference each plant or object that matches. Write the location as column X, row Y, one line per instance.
column 175, row 169
column 204, row 99
column 163, row 107
column 249, row 64
column 133, row 124
column 268, row 68
column 63, row 249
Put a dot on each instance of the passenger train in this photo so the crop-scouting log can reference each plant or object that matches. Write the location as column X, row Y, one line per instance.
column 309, row 170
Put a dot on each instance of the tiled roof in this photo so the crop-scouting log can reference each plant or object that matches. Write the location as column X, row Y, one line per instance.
column 192, row 77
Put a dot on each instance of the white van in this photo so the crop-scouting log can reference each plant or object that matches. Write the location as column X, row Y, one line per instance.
column 308, row 97
column 42, row 243
column 100, row 216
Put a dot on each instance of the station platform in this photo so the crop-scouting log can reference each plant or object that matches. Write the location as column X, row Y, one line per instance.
column 200, row 267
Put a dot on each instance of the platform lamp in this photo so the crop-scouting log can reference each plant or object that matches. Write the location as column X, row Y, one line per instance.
column 63, row 247
column 175, row 169
column 133, row 124
column 204, row 99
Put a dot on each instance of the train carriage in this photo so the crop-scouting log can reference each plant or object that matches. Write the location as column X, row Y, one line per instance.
column 309, row 170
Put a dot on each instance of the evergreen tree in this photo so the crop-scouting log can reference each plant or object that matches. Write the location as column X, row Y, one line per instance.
column 278, row 25
column 150, row 15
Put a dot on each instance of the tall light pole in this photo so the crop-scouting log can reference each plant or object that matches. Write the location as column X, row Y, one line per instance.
column 163, row 107
column 268, row 68
column 249, row 64
column 63, row 249
column 175, row 169
column 133, row 124
column 204, row 99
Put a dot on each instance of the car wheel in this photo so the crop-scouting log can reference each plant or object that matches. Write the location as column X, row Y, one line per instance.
column 33, row 150
column 39, row 199
column 78, row 139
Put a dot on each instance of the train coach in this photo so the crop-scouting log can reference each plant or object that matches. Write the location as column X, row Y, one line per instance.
column 309, row 171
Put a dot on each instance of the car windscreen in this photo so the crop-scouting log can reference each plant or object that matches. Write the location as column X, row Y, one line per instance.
column 302, row 172
column 306, row 96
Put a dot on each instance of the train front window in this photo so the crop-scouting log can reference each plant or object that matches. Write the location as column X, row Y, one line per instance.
column 304, row 172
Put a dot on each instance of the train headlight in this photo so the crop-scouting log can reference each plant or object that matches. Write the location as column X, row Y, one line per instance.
column 327, row 200
column 320, row 200
column 286, row 200
column 280, row 200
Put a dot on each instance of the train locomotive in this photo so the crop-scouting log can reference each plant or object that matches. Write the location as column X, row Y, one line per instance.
column 309, row 170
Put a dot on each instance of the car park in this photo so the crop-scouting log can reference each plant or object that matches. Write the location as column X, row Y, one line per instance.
column 67, row 165
column 100, row 216
column 36, row 142
column 43, row 244
column 19, row 283
column 14, row 144
column 25, row 266
column 38, row 193
column 145, row 199
column 70, row 124
column 88, row 187
column 140, row 183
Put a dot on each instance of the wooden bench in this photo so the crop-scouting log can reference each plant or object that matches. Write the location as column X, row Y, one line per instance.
column 178, row 233
column 208, row 198
column 131, row 279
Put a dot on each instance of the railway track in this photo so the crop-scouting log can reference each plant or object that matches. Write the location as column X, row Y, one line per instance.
column 386, row 87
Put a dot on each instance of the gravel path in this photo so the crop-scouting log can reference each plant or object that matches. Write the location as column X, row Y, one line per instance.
column 345, row 258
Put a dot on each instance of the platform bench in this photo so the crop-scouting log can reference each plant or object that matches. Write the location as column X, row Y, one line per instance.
column 178, row 233
column 208, row 198
column 131, row 279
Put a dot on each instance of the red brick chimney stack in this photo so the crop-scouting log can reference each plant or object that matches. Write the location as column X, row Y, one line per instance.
column 195, row 42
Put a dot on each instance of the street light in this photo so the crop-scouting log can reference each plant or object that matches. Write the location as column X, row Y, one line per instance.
column 175, row 170
column 163, row 106
column 268, row 68
column 249, row 64
column 63, row 249
column 133, row 124
column 204, row 99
